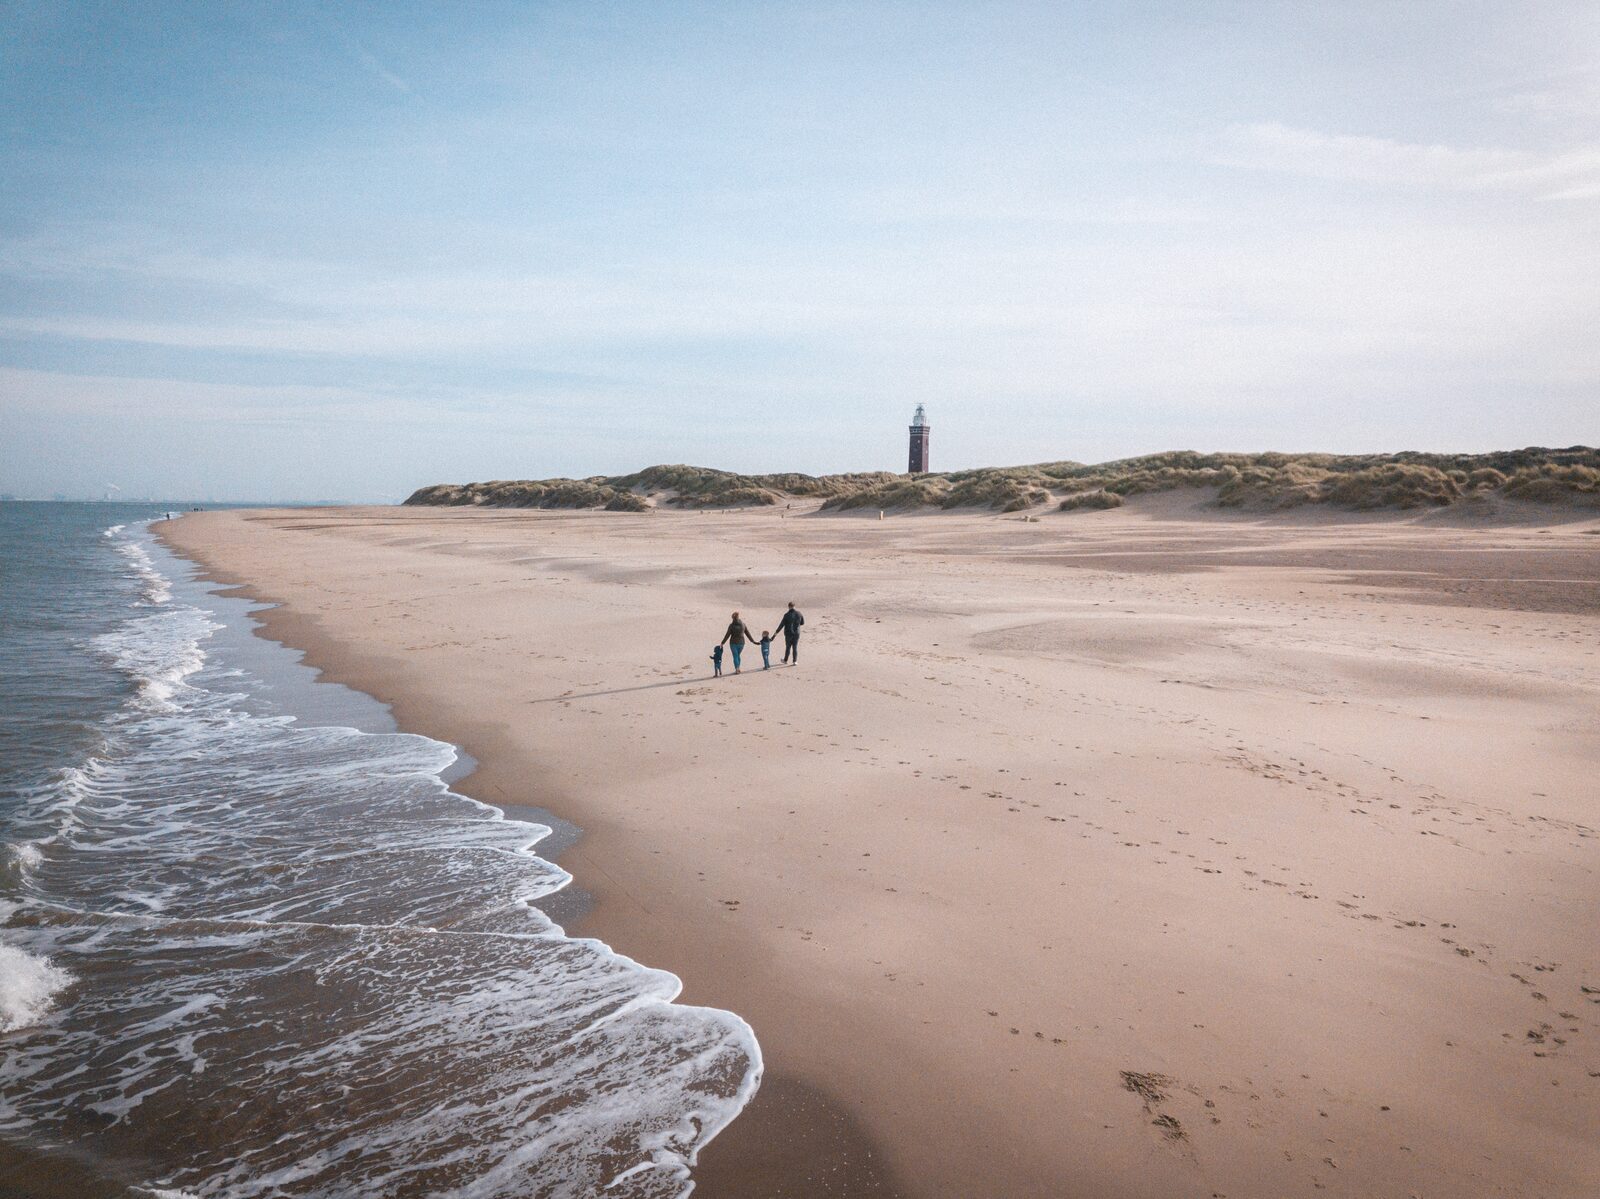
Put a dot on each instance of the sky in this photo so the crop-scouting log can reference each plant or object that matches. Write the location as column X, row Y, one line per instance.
column 297, row 250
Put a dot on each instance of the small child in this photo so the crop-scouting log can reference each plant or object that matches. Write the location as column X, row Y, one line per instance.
column 766, row 651
column 716, row 661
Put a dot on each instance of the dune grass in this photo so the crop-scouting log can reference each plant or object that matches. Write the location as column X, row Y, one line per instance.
column 1091, row 500
column 1267, row 481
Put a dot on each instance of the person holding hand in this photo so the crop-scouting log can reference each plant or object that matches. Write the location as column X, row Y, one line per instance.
column 789, row 625
column 738, row 633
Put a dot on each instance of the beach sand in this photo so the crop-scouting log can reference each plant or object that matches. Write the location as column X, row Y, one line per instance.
column 1154, row 852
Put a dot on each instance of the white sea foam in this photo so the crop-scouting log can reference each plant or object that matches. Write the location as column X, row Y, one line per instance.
column 155, row 586
column 25, row 854
column 17, row 861
column 273, row 920
column 28, row 984
column 159, row 651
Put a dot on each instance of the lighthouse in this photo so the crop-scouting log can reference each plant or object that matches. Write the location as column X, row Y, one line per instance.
column 919, row 442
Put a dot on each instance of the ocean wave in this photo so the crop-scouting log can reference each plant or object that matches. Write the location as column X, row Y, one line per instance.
column 17, row 861
column 155, row 586
column 25, row 854
column 159, row 652
column 309, row 968
column 28, row 986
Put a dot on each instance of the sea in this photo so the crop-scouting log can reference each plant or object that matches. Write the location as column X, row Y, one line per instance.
column 253, row 944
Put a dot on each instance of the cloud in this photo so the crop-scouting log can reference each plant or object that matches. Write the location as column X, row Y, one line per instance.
column 1555, row 95
column 51, row 394
column 980, row 208
column 331, row 306
column 1274, row 147
column 1547, row 105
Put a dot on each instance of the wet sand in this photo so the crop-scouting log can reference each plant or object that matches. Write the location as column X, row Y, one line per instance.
column 1146, row 852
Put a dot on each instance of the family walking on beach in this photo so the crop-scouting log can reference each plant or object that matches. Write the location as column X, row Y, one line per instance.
column 738, row 633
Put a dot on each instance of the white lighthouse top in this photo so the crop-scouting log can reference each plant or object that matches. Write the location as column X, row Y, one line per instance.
column 920, row 419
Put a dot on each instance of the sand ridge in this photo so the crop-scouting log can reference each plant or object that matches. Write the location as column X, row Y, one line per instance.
column 1127, row 853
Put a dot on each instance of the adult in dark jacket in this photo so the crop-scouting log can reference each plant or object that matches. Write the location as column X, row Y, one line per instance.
column 789, row 623
column 738, row 633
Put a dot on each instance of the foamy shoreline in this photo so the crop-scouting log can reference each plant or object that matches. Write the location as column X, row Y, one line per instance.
column 225, row 978
column 1169, row 792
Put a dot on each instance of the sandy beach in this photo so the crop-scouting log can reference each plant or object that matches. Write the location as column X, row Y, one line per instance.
column 1152, row 852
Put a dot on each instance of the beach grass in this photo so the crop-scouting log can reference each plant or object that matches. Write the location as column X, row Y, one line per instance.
column 1264, row 481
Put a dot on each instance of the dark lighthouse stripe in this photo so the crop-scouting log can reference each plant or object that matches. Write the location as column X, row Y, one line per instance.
column 919, row 442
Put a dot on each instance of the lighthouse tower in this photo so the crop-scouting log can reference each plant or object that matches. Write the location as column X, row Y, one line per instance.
column 919, row 442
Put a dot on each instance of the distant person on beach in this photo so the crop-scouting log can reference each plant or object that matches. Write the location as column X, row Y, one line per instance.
column 766, row 651
column 789, row 626
column 738, row 633
column 716, row 661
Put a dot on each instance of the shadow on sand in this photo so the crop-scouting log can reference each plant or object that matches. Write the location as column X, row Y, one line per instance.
column 704, row 678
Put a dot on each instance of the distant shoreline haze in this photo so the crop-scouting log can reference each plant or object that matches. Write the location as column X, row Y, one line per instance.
column 1400, row 480
column 175, row 505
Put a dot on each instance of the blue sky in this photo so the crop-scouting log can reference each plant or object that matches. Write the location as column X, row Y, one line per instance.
column 302, row 250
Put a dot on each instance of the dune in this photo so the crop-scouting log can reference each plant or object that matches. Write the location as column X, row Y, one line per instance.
column 1358, row 482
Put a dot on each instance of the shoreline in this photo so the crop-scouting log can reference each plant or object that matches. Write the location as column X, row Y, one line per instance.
column 822, row 1108
column 788, row 1124
column 374, row 944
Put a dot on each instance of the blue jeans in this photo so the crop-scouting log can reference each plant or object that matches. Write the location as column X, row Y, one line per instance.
column 766, row 654
column 737, row 650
